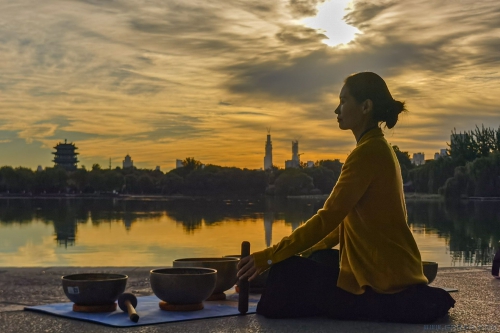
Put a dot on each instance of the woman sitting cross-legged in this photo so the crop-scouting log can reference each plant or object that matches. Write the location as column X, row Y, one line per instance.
column 377, row 273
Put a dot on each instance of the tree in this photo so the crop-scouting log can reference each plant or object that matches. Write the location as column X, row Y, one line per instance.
column 191, row 164
column 467, row 146
column 146, row 184
column 403, row 157
column 293, row 182
column 485, row 172
column 404, row 162
column 324, row 179
column 171, row 183
column 334, row 165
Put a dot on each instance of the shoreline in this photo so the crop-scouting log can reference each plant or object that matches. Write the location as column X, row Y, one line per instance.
column 159, row 197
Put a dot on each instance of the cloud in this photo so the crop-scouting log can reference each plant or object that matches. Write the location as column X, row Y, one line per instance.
column 299, row 35
column 170, row 79
column 363, row 12
column 37, row 132
column 304, row 8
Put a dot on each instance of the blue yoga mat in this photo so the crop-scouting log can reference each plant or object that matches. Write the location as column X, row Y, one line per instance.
column 149, row 311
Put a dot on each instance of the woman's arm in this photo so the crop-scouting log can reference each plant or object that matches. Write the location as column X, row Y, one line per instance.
column 356, row 176
column 331, row 240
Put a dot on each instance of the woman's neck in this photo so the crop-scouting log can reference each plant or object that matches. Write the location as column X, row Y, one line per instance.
column 366, row 130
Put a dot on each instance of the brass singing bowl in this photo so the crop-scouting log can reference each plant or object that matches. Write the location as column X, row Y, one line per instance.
column 94, row 288
column 183, row 285
column 226, row 270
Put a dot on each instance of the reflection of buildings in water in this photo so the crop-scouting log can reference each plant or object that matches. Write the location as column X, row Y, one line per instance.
column 128, row 220
column 268, row 227
column 65, row 233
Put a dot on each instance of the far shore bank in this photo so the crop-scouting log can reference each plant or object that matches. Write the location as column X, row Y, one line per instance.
column 408, row 196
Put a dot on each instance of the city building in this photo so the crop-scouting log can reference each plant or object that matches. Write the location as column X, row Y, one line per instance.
column 295, row 161
column 39, row 169
column 310, row 164
column 157, row 168
column 65, row 156
column 442, row 153
column 127, row 162
column 178, row 164
column 268, row 157
column 418, row 158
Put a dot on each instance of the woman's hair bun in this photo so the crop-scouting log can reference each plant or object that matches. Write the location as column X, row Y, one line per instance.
column 393, row 112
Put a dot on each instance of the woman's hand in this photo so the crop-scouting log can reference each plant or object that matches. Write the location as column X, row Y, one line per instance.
column 247, row 269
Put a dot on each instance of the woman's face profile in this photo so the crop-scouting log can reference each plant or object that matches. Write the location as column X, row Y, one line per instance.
column 349, row 112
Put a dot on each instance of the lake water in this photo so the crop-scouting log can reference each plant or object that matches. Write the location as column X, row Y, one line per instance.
column 138, row 232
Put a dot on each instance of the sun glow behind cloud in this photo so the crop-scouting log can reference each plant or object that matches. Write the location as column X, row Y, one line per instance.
column 329, row 21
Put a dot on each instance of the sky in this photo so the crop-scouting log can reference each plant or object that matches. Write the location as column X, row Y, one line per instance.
column 162, row 80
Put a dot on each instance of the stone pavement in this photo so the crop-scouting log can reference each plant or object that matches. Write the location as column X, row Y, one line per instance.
column 477, row 308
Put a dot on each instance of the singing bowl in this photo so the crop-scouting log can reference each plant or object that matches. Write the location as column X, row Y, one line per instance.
column 94, row 288
column 226, row 270
column 430, row 269
column 183, row 285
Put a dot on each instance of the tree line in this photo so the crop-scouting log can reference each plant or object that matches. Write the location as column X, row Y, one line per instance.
column 471, row 168
column 194, row 178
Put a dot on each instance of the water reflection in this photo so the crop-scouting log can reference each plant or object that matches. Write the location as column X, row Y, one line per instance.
column 467, row 233
column 471, row 229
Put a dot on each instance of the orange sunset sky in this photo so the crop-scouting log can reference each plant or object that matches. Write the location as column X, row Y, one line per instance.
column 163, row 80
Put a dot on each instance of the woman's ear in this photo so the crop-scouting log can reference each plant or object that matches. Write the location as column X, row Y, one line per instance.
column 367, row 106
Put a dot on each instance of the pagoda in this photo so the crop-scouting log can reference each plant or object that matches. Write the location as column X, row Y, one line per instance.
column 65, row 156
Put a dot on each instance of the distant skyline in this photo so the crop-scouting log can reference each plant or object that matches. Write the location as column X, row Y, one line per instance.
column 165, row 80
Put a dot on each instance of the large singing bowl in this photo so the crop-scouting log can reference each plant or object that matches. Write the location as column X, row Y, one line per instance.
column 183, row 285
column 430, row 269
column 226, row 270
column 94, row 288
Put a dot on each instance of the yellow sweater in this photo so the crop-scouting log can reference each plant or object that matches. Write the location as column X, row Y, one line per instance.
column 366, row 214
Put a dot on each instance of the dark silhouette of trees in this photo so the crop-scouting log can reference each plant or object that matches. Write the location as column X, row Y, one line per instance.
column 293, row 182
column 404, row 162
column 471, row 169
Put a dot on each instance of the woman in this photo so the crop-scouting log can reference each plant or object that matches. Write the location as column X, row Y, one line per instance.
column 377, row 274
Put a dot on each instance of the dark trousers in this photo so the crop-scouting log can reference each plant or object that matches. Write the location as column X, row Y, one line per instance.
column 304, row 287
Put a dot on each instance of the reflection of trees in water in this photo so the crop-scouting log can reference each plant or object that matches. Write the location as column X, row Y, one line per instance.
column 293, row 211
column 66, row 214
column 471, row 229
column 192, row 213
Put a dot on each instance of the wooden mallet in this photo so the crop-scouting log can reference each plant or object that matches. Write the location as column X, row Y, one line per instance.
column 244, row 284
column 127, row 302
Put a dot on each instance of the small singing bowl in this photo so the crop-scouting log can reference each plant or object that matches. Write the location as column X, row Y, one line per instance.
column 187, row 285
column 94, row 288
column 227, row 268
column 430, row 269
